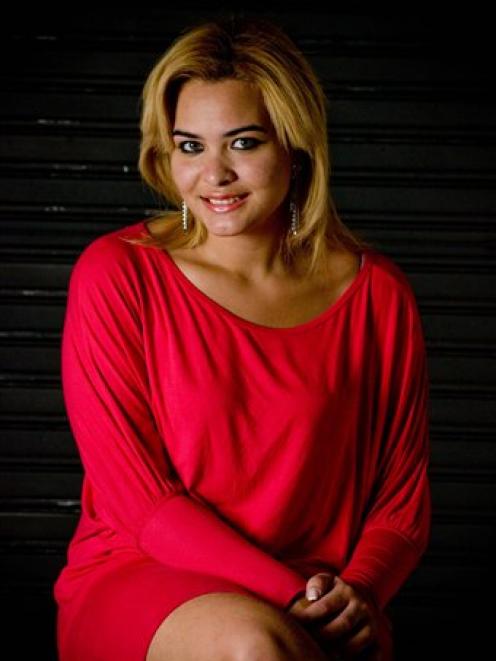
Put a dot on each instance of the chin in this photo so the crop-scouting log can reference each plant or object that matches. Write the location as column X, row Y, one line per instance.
column 224, row 228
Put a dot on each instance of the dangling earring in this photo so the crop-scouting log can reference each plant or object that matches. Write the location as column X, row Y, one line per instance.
column 293, row 205
column 185, row 216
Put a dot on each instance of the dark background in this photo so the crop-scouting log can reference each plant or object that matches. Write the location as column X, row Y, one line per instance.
column 412, row 136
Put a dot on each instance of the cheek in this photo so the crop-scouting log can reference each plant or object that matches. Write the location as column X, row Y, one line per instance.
column 269, row 173
column 276, row 178
column 182, row 174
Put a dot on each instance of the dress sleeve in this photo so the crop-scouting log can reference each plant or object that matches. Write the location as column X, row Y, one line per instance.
column 396, row 528
column 107, row 399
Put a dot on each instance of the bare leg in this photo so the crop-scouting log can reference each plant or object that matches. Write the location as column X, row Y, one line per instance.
column 226, row 626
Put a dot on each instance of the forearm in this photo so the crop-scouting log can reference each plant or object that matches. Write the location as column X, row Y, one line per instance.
column 187, row 534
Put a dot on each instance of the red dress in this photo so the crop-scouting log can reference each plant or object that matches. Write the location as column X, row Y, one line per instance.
column 224, row 455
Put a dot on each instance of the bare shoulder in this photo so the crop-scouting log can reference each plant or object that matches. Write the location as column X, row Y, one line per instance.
column 345, row 260
column 185, row 256
column 340, row 267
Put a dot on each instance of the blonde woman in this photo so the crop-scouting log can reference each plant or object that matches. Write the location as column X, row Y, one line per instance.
column 246, row 382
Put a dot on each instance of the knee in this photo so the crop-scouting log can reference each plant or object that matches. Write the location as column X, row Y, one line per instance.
column 235, row 627
column 259, row 646
column 272, row 635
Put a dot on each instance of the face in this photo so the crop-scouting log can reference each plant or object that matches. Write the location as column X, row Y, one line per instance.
column 217, row 156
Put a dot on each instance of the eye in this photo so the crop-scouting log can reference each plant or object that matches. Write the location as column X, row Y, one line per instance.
column 254, row 142
column 187, row 142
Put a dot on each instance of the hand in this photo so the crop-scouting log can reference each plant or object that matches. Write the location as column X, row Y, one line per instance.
column 343, row 619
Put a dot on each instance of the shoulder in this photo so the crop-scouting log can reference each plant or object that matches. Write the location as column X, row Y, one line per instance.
column 394, row 301
column 108, row 264
column 107, row 254
column 391, row 286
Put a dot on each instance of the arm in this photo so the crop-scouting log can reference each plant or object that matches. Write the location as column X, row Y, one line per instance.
column 107, row 399
column 396, row 529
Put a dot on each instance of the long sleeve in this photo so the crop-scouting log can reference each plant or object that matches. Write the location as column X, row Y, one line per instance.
column 108, row 402
column 396, row 529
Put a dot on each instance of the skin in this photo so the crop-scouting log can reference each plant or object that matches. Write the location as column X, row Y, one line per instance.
column 227, row 626
column 244, row 241
column 341, row 615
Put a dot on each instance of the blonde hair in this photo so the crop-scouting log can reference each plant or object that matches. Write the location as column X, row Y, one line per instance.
column 256, row 51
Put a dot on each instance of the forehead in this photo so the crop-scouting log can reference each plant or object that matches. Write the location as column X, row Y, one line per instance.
column 219, row 102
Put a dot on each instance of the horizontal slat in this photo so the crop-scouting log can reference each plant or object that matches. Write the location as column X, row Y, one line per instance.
column 350, row 192
column 347, row 139
column 433, row 166
column 46, row 280
column 459, row 403
column 40, row 442
column 18, row 487
column 76, row 225
column 50, row 519
column 39, row 567
column 25, row 487
column 56, row 91
column 31, row 526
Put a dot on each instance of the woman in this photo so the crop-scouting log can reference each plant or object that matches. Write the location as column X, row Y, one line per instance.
column 246, row 382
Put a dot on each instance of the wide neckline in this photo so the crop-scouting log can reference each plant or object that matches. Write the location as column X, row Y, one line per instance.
column 320, row 318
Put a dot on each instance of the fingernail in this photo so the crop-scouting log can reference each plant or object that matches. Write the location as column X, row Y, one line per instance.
column 313, row 594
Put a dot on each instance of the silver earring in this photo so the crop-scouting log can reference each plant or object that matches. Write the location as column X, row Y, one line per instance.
column 293, row 206
column 185, row 216
column 294, row 217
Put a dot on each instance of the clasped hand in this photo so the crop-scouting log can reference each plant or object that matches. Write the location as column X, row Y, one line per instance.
column 343, row 620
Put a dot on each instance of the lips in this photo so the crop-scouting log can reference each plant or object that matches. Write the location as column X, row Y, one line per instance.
column 225, row 203
column 223, row 198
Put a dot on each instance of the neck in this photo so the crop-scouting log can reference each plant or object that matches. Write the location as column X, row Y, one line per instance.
column 251, row 256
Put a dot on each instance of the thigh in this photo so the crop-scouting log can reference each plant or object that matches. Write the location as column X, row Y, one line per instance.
column 118, row 607
column 230, row 626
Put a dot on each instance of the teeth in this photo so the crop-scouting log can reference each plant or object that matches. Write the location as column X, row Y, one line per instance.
column 231, row 200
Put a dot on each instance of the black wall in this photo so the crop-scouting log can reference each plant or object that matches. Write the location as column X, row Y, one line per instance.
column 412, row 137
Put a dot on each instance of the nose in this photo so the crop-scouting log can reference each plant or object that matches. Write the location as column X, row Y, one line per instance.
column 218, row 171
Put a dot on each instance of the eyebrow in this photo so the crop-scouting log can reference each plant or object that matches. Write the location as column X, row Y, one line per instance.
column 241, row 129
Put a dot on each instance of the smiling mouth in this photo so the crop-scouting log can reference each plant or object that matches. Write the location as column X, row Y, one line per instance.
column 227, row 204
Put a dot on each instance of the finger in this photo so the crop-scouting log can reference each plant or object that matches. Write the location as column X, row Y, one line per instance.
column 319, row 584
column 360, row 644
column 324, row 608
column 350, row 620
